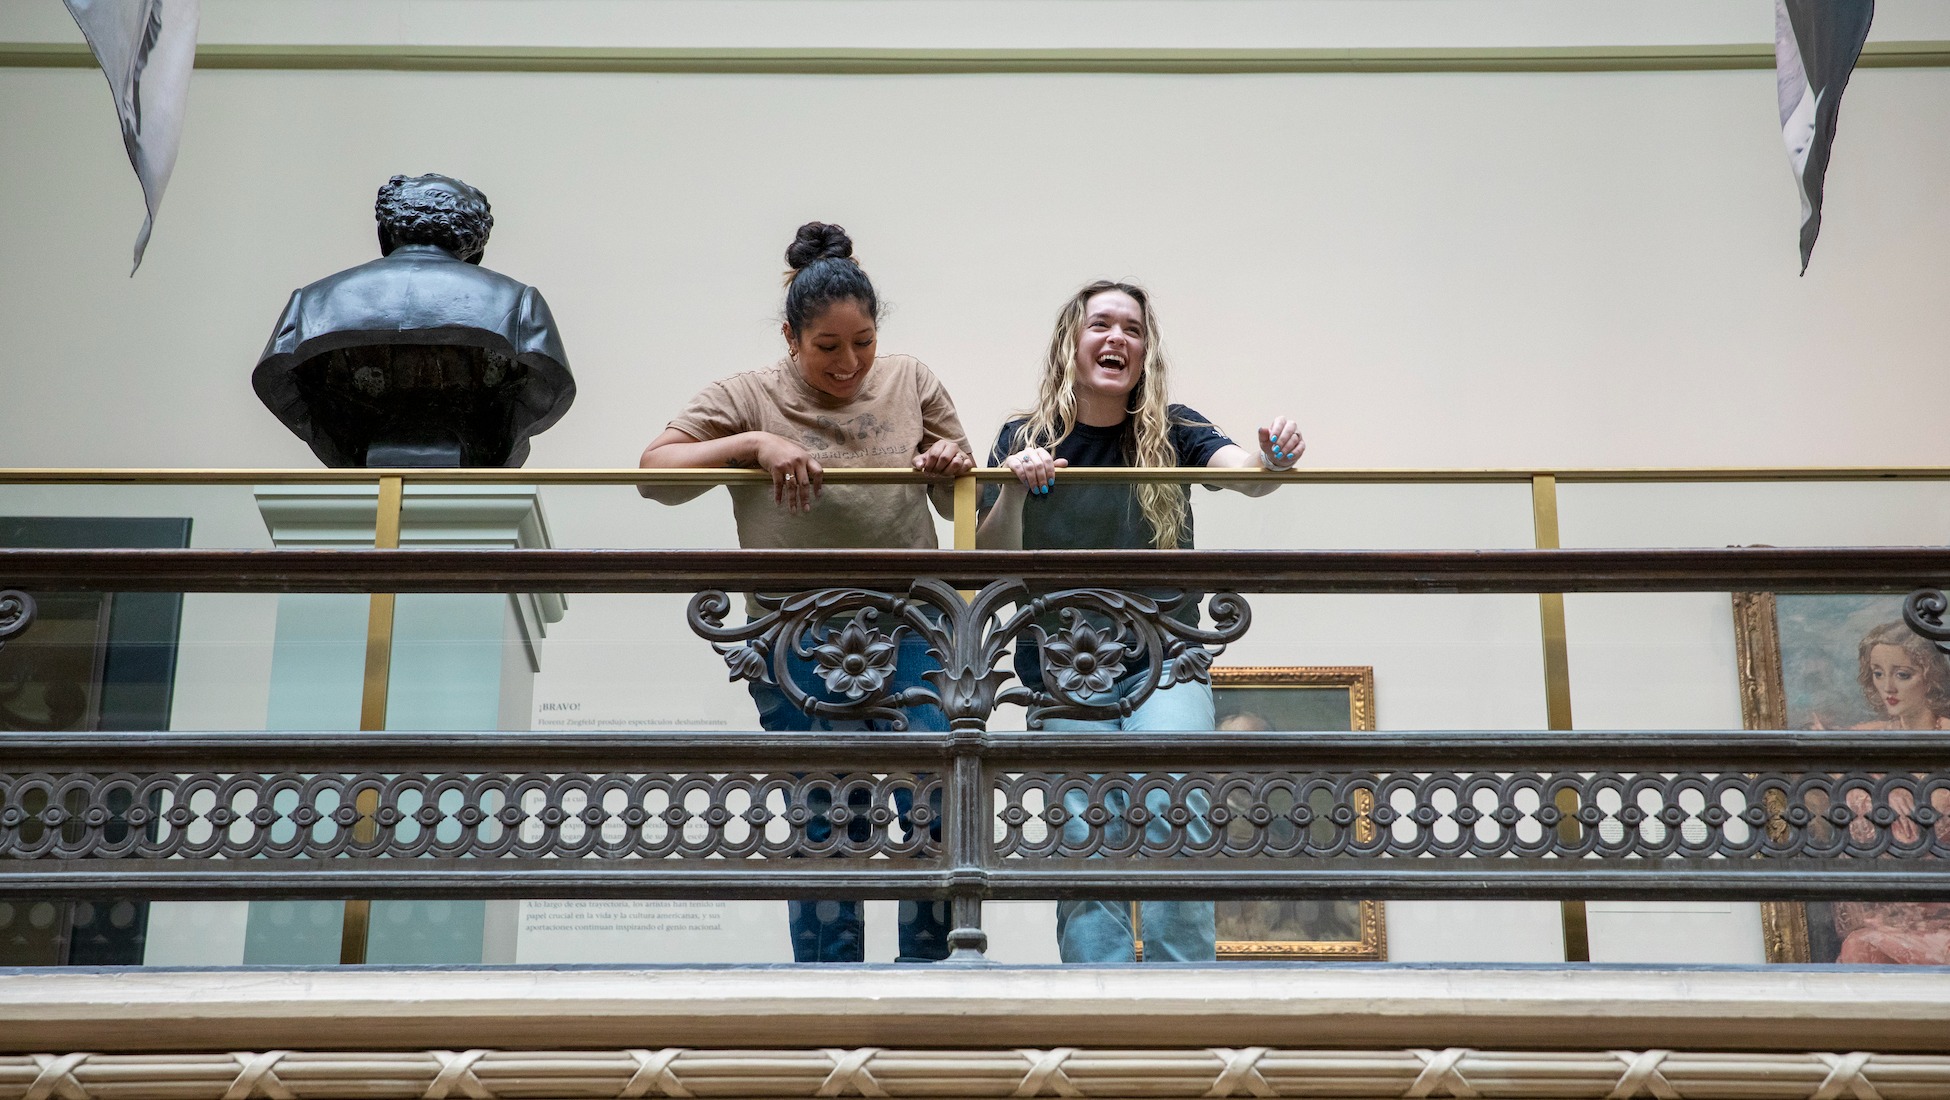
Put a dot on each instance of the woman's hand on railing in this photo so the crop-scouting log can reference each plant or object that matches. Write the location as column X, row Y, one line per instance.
column 797, row 476
column 944, row 459
column 1035, row 468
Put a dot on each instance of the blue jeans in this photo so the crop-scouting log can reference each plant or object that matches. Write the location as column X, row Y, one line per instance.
column 833, row 931
column 1174, row 931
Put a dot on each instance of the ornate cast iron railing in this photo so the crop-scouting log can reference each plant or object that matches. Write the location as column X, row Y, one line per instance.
column 974, row 816
column 970, row 814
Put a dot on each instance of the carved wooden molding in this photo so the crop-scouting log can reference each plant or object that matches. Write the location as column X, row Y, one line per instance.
column 892, row 1073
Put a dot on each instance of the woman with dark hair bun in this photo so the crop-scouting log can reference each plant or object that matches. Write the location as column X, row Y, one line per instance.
column 832, row 402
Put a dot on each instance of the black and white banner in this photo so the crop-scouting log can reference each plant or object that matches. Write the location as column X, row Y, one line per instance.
column 1816, row 44
column 146, row 48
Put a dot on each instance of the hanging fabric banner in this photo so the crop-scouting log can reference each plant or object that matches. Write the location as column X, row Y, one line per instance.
column 1816, row 44
column 146, row 48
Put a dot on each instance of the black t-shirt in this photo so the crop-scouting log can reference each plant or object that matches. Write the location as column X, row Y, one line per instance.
column 1101, row 515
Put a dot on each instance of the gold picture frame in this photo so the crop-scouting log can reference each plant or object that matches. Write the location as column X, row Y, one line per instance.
column 1299, row 698
column 1798, row 674
column 1763, row 706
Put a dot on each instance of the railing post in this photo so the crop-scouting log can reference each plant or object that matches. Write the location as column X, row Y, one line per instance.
column 968, row 821
column 967, row 834
column 372, row 703
column 379, row 622
column 1557, row 692
column 967, row 493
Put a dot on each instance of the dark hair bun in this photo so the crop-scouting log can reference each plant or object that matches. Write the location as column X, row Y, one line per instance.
column 818, row 241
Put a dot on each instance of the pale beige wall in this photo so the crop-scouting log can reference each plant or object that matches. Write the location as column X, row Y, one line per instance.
column 1301, row 24
column 1454, row 270
column 1433, row 269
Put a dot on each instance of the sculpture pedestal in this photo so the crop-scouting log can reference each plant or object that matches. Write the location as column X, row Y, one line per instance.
column 461, row 661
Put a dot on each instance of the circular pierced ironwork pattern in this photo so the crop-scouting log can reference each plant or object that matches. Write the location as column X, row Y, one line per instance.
column 1450, row 814
column 250, row 815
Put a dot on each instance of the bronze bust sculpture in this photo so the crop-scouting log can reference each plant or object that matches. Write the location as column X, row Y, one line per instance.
column 421, row 357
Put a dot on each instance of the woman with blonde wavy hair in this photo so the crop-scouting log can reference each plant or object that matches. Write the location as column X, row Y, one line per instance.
column 1103, row 401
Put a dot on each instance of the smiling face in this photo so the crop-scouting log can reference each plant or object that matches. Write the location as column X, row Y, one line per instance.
column 835, row 349
column 1110, row 350
column 1900, row 685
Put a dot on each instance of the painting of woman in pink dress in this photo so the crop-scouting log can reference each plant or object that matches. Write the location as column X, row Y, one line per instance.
column 1906, row 680
column 1849, row 662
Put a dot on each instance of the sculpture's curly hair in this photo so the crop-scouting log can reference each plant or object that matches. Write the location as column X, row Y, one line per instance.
column 455, row 217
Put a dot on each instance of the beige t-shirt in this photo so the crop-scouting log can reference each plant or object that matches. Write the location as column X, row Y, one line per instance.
column 900, row 411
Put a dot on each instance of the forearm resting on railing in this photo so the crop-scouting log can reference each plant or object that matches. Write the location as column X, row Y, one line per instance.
column 1001, row 528
column 677, row 450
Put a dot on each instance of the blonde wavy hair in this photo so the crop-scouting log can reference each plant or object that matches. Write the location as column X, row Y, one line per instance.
column 1147, row 434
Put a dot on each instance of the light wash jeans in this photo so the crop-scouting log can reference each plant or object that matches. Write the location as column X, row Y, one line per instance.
column 1174, row 931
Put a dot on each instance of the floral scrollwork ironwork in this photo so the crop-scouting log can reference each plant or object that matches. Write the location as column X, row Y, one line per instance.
column 17, row 611
column 1104, row 635
column 1923, row 611
column 1089, row 639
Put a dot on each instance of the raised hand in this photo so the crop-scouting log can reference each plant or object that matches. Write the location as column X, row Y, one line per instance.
column 1280, row 445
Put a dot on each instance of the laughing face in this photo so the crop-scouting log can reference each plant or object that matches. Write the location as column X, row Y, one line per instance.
column 1110, row 349
column 835, row 350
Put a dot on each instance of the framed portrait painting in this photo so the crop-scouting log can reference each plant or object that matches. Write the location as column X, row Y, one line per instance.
column 1297, row 698
column 1843, row 662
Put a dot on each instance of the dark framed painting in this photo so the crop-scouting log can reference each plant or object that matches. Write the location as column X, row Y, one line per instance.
column 51, row 679
column 88, row 661
column 1298, row 698
column 1843, row 662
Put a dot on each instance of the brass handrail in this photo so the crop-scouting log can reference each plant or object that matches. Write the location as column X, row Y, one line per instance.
column 629, row 476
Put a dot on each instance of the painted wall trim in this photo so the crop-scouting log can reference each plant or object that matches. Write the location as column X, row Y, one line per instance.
column 1350, row 1005
column 1912, row 54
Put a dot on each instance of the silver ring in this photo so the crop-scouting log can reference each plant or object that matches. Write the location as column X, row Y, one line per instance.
column 788, row 477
